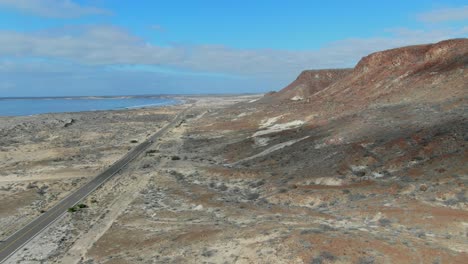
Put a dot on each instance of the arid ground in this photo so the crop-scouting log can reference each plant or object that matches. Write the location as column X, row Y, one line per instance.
column 320, row 172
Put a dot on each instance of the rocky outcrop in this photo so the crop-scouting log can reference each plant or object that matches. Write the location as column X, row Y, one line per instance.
column 310, row 82
column 423, row 73
column 449, row 52
column 413, row 74
column 420, row 73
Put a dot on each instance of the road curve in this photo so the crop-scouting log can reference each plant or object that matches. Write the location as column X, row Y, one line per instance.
column 28, row 232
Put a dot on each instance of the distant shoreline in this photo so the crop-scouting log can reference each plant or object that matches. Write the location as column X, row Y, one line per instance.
column 52, row 105
column 99, row 97
column 87, row 97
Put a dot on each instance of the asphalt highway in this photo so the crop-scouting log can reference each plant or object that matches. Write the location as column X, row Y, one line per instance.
column 28, row 232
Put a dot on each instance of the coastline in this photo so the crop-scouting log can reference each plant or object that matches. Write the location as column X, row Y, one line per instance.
column 168, row 100
column 88, row 104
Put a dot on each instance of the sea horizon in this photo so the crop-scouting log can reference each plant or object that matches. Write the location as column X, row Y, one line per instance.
column 27, row 106
column 122, row 96
column 86, row 96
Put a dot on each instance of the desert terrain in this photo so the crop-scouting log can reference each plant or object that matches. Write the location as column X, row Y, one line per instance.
column 363, row 165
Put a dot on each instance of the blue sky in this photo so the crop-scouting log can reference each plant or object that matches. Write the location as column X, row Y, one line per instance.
column 108, row 47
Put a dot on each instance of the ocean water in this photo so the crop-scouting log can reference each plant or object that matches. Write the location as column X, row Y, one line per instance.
column 32, row 106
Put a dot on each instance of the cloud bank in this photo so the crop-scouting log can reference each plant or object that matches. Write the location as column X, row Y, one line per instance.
column 109, row 45
column 109, row 59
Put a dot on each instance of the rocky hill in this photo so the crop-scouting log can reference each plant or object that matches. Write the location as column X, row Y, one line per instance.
column 307, row 83
column 414, row 74
column 423, row 73
column 380, row 149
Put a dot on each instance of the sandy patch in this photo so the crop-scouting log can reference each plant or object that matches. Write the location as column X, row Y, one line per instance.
column 269, row 122
column 278, row 127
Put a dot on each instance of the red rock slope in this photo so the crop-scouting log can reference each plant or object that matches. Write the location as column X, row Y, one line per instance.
column 308, row 83
column 413, row 74
column 431, row 72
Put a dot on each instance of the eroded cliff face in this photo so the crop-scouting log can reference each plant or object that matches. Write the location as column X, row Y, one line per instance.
column 308, row 83
column 431, row 72
column 423, row 73
column 451, row 52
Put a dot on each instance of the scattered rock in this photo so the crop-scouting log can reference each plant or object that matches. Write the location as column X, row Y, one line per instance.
column 423, row 187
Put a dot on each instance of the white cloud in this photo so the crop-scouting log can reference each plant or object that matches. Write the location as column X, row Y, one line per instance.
column 52, row 8
column 111, row 46
column 445, row 14
column 97, row 45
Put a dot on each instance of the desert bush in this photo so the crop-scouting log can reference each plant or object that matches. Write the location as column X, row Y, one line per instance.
column 327, row 255
column 384, row 222
column 252, row 196
column 76, row 208
column 222, row 187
